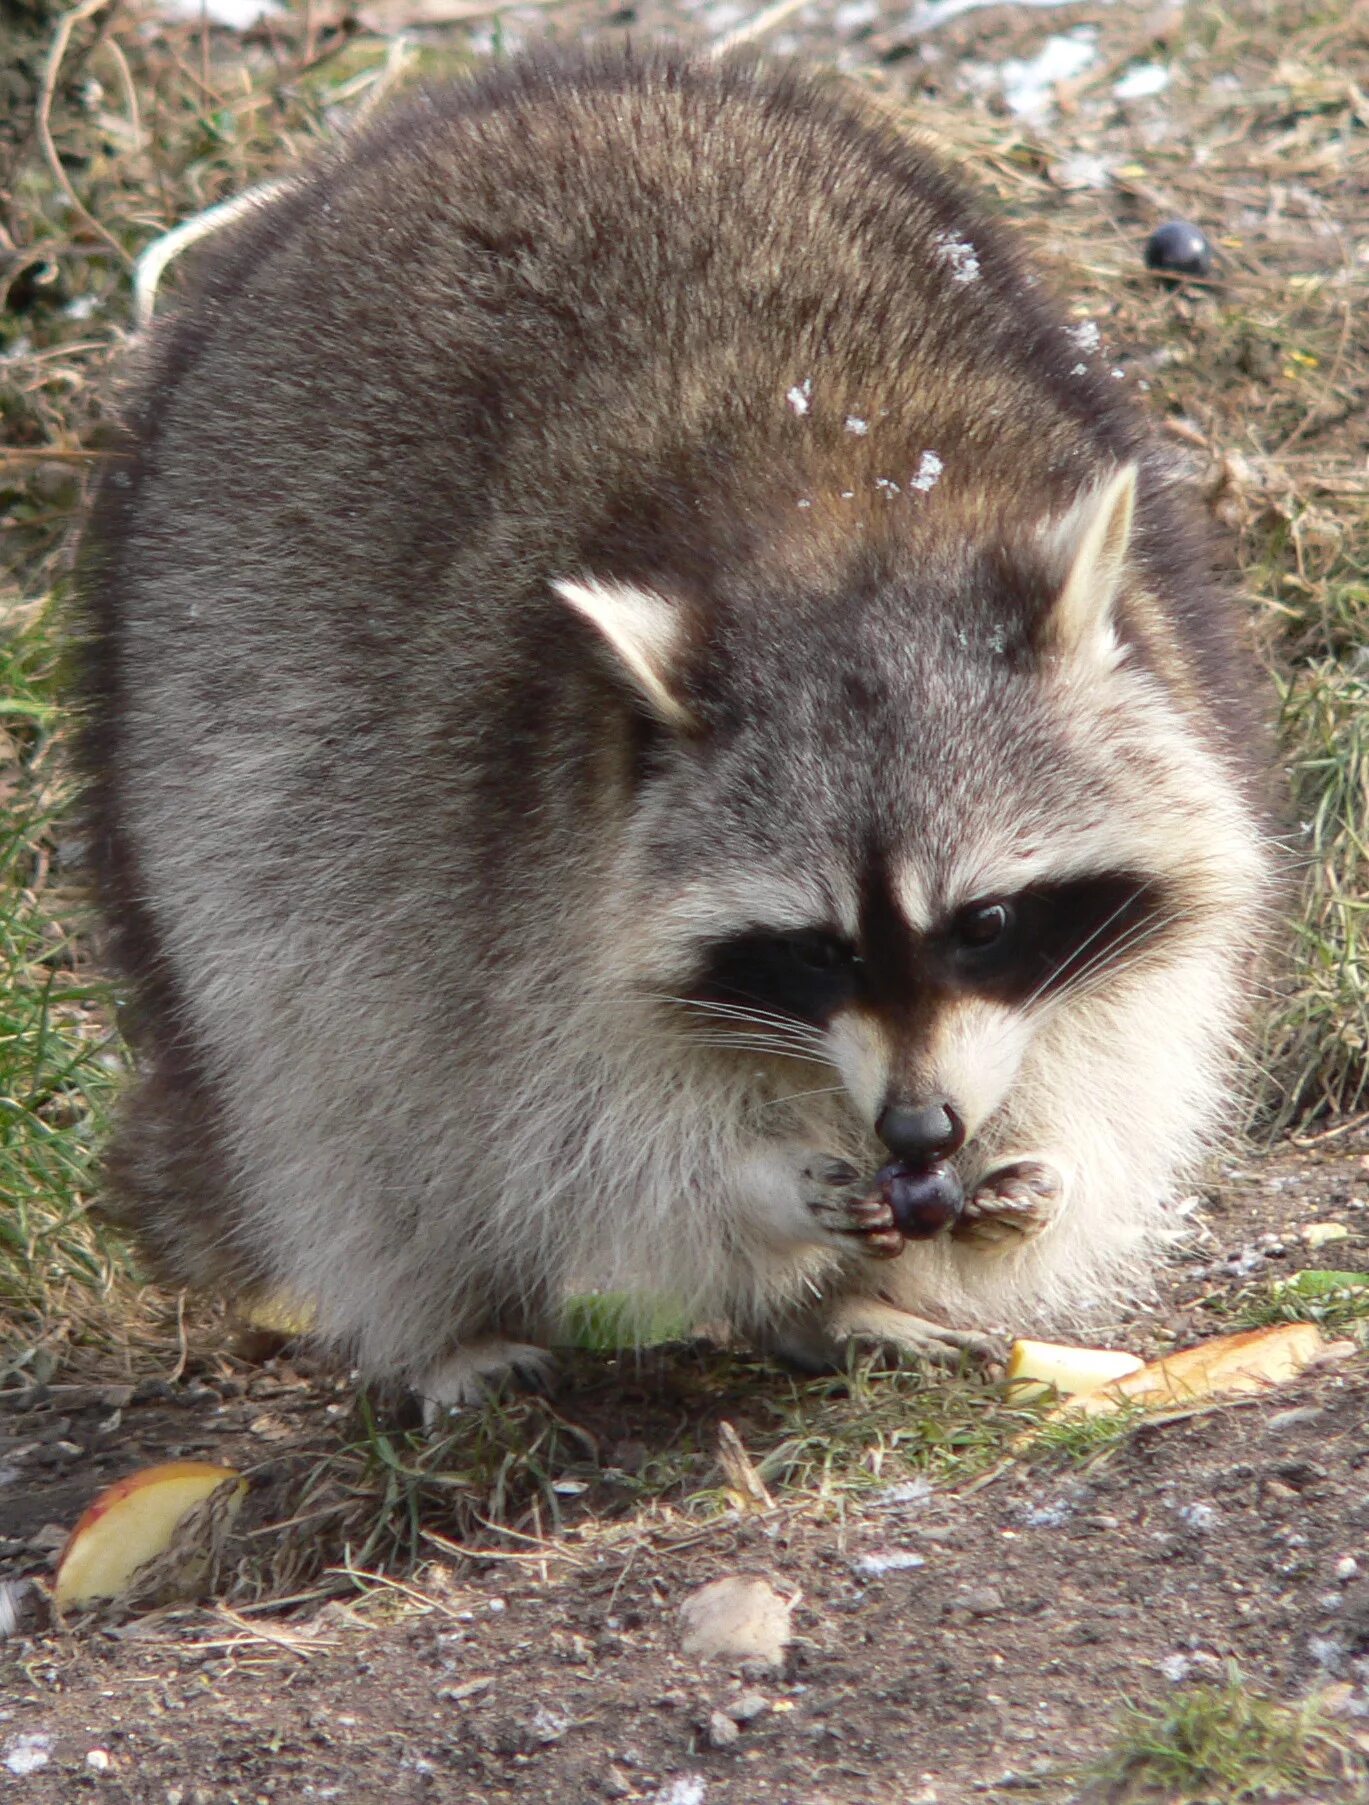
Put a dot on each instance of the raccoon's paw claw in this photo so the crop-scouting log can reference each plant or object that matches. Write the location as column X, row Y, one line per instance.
column 896, row 1335
column 842, row 1204
column 1011, row 1204
column 479, row 1370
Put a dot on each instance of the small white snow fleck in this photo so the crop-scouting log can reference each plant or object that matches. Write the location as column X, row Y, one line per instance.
column 1029, row 83
column 1120, row 376
column 800, row 397
column 1141, row 80
column 888, row 1560
column 803, row 504
column 855, row 424
column 929, row 468
column 848, row 495
column 854, row 13
column 1086, row 335
column 689, row 1789
column 1175, row 1668
column 959, row 254
column 1327, row 1651
column 1079, row 370
column 889, row 488
column 27, row 1753
column 1048, row 1516
column 1201, row 1517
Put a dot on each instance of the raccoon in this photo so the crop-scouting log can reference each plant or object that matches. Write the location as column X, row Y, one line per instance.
column 636, row 668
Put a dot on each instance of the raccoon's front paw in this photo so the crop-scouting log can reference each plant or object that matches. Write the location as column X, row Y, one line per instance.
column 1011, row 1204
column 845, row 1208
column 819, row 1341
column 479, row 1370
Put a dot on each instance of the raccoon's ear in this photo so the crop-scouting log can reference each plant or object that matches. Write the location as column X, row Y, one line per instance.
column 1092, row 542
column 645, row 634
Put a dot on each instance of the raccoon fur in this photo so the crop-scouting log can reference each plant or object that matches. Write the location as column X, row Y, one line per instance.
column 635, row 664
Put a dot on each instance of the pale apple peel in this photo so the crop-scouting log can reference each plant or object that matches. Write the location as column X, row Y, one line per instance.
column 133, row 1522
column 1245, row 1364
column 1037, row 1366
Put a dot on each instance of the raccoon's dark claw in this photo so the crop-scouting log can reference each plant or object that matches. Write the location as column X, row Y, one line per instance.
column 1011, row 1204
column 850, row 1210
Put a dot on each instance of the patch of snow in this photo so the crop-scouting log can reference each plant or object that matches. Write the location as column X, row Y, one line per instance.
column 800, row 397
column 855, row 424
column 1079, row 370
column 1029, row 83
column 1141, row 80
column 929, row 468
column 237, row 15
column 898, row 1497
column 689, row 1789
column 930, row 13
column 889, row 487
column 25, row 1754
column 1047, row 1516
column 1175, row 1668
column 1082, row 170
column 887, row 1560
column 855, row 13
column 1086, row 335
column 959, row 254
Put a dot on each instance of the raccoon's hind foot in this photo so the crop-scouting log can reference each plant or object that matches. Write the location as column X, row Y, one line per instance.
column 842, row 1204
column 1013, row 1203
column 820, row 1342
column 479, row 1370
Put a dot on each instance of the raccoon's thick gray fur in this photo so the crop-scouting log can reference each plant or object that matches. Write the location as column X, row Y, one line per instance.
column 629, row 646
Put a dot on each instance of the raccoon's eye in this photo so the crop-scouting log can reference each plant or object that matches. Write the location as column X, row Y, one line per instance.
column 983, row 924
column 809, row 974
column 817, row 952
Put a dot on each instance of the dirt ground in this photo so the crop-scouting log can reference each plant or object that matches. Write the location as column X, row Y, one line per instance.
column 964, row 1626
column 548, row 1666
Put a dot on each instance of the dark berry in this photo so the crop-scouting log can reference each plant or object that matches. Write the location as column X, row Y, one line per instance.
column 925, row 1200
column 1178, row 248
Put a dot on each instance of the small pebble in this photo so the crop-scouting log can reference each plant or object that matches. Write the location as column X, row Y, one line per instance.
column 748, row 1707
column 99, row 1761
column 1347, row 1567
column 982, row 1601
column 1179, row 248
column 722, row 1731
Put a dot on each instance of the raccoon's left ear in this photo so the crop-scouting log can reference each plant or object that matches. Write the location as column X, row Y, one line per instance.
column 1092, row 542
column 644, row 632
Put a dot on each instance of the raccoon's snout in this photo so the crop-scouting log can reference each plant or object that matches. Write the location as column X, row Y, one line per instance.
column 920, row 1133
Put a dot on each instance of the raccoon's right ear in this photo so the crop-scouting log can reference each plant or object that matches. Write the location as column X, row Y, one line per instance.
column 645, row 634
column 1092, row 542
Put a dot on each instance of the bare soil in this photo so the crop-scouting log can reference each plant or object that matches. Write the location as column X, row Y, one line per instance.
column 546, row 1665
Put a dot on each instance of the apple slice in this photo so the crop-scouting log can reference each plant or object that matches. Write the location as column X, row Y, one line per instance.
column 1073, row 1371
column 135, row 1521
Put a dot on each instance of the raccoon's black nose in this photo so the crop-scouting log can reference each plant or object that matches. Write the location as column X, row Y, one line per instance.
column 916, row 1135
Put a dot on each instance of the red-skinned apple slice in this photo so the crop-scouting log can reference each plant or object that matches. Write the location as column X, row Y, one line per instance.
column 132, row 1522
